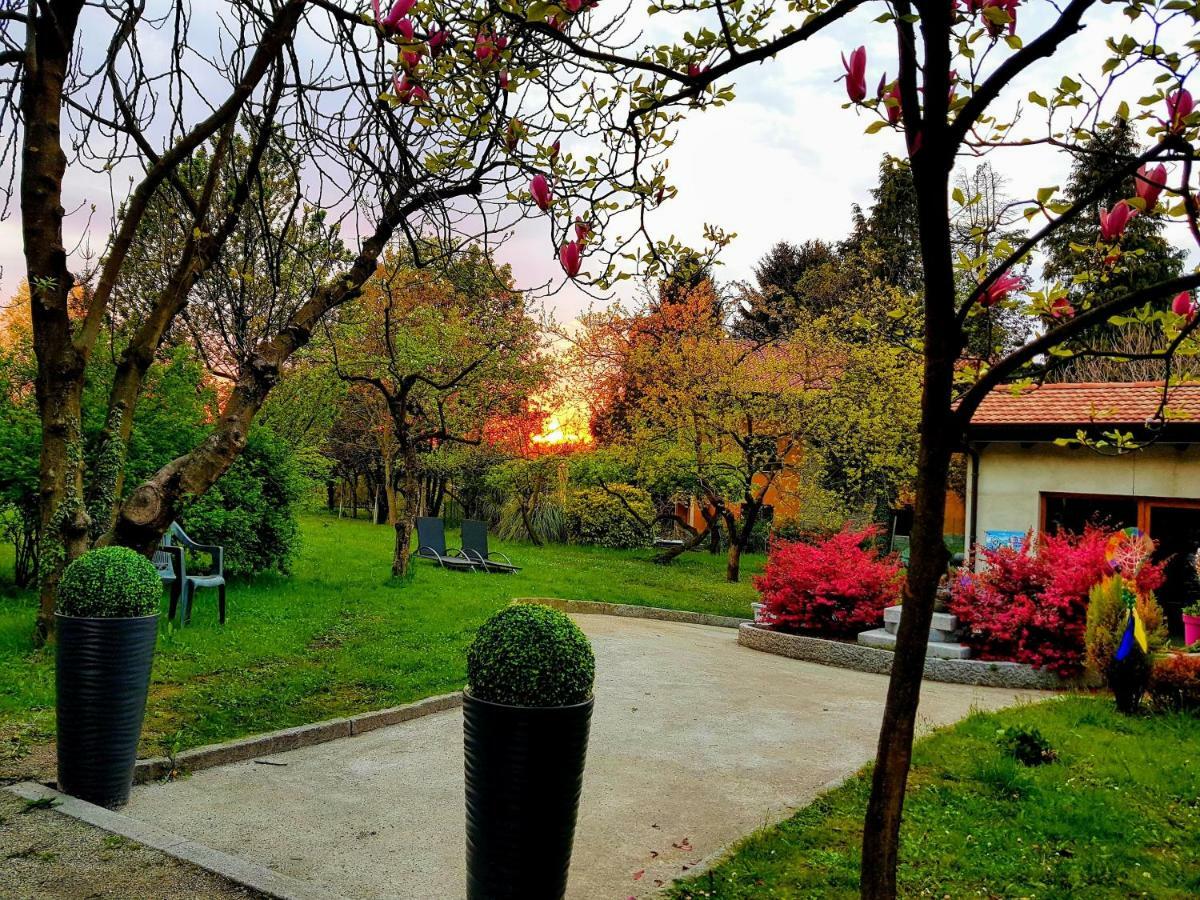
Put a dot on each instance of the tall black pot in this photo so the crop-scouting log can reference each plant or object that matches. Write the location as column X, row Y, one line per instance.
column 102, row 678
column 524, row 768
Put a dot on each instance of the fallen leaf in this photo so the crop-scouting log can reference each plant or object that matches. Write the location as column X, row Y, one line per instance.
column 637, row 876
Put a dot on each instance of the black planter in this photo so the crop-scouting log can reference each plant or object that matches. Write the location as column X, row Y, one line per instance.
column 524, row 768
column 102, row 678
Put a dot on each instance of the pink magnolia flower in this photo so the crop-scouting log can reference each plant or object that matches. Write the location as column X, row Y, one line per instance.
column 405, row 27
column 408, row 91
column 582, row 229
column 501, row 41
column 504, row 78
column 1150, row 183
column 893, row 109
column 1179, row 106
column 513, row 133
column 572, row 6
column 410, row 58
column 403, row 87
column 695, row 70
column 1182, row 305
column 571, row 258
column 1061, row 308
column 418, row 96
column 485, row 48
column 1000, row 289
column 539, row 189
column 995, row 29
column 856, row 74
column 1113, row 222
column 400, row 9
column 439, row 41
column 555, row 149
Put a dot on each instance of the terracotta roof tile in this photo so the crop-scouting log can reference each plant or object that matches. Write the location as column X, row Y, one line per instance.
column 1124, row 403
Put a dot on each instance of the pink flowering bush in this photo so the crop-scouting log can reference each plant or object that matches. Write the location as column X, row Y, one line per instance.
column 836, row 586
column 1030, row 605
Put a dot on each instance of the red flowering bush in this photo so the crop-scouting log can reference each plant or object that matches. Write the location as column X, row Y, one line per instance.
column 1030, row 605
column 837, row 586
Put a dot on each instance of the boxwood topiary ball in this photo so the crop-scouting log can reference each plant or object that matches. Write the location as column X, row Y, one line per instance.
column 529, row 655
column 110, row 583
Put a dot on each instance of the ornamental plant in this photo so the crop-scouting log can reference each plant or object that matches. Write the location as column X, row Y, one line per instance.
column 837, row 586
column 1106, row 622
column 110, row 583
column 1175, row 682
column 1031, row 605
column 529, row 655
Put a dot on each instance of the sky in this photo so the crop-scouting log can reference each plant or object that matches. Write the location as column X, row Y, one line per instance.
column 783, row 161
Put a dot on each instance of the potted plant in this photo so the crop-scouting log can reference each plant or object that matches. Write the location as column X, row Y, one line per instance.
column 526, row 713
column 1191, row 624
column 107, row 622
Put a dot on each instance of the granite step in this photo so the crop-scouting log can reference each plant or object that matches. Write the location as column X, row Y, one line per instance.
column 885, row 640
column 942, row 621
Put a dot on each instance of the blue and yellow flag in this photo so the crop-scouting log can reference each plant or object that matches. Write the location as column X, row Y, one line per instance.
column 1135, row 633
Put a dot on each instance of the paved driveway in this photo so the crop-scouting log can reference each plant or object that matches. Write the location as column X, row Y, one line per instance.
column 695, row 742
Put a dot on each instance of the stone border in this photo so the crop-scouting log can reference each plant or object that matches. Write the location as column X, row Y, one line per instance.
column 288, row 739
column 870, row 659
column 630, row 611
column 239, row 871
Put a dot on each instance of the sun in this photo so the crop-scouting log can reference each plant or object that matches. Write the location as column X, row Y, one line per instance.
column 568, row 424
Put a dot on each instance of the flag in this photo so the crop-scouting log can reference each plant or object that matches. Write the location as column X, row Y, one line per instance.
column 1135, row 633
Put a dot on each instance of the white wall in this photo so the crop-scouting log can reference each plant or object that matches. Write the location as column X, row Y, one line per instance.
column 1011, row 479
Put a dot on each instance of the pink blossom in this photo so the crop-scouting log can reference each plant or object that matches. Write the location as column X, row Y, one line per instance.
column 572, row 6
column 582, row 229
column 539, row 189
column 504, row 80
column 1182, row 305
column 485, row 48
column 438, row 41
column 410, row 58
column 400, row 9
column 1179, row 106
column 571, row 258
column 1113, row 222
column 405, row 27
column 856, row 74
column 555, row 149
column 1061, row 308
column 893, row 109
column 1000, row 289
column 996, row 28
column 501, row 41
column 1150, row 183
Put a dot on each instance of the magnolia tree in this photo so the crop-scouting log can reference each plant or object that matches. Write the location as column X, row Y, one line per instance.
column 953, row 93
column 415, row 123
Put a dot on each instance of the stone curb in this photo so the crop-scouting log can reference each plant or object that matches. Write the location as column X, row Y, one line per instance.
column 979, row 672
column 629, row 611
column 246, row 874
column 289, row 738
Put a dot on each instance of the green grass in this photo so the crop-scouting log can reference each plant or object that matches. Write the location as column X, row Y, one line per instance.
column 340, row 636
column 1118, row 815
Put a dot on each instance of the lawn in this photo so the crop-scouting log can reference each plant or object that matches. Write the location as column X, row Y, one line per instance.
column 1118, row 815
column 339, row 636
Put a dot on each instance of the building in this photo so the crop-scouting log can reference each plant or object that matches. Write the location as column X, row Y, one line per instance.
column 1021, row 478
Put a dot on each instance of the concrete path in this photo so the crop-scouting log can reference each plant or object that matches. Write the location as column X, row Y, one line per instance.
column 695, row 742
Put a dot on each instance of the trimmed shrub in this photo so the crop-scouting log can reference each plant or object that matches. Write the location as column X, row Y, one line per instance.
column 595, row 516
column 1106, row 623
column 530, row 655
column 1175, row 682
column 109, row 583
column 836, row 586
column 251, row 509
column 1030, row 605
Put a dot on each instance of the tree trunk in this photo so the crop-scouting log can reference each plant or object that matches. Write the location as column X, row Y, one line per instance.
column 60, row 362
column 533, row 535
column 939, row 436
column 737, row 542
column 714, row 536
column 408, row 499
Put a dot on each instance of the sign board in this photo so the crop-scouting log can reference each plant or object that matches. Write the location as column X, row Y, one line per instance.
column 994, row 540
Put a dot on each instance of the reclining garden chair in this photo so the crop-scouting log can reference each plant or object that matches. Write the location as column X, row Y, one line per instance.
column 171, row 561
column 475, row 546
column 431, row 544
